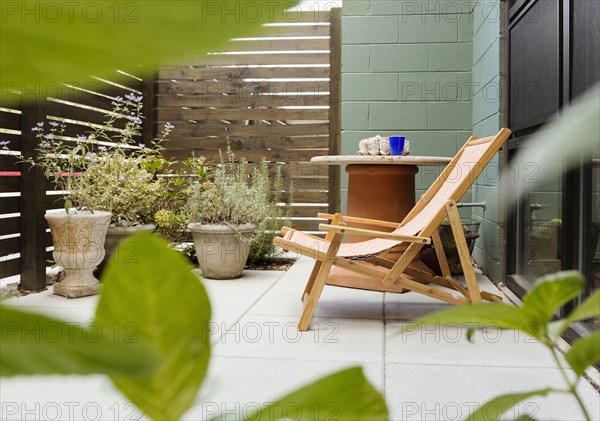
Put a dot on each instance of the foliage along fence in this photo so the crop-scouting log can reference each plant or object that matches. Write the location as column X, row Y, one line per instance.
column 25, row 194
column 277, row 97
column 274, row 96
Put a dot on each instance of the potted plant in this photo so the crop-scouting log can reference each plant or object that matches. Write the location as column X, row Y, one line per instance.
column 223, row 216
column 77, row 233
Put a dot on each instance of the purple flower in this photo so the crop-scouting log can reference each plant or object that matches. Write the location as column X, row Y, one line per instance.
column 137, row 120
column 4, row 142
column 81, row 137
column 49, row 136
column 169, row 126
column 122, row 177
column 40, row 124
column 54, row 124
column 101, row 148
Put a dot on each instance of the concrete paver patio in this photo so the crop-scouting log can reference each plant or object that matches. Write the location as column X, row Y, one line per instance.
column 258, row 355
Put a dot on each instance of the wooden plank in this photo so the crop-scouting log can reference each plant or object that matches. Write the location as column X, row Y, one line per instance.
column 335, row 108
column 250, row 155
column 244, row 143
column 175, row 115
column 9, row 204
column 10, row 246
column 276, row 45
column 14, row 139
column 207, row 87
column 260, row 59
column 307, row 210
column 308, row 196
column 191, row 129
column 11, row 225
column 53, row 201
column 10, row 121
column 296, row 31
column 239, row 73
column 306, row 224
column 9, row 268
column 9, row 184
column 170, row 101
column 9, row 163
column 33, row 225
column 75, row 112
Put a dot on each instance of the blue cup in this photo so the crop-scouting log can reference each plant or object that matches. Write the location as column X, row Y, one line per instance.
column 397, row 145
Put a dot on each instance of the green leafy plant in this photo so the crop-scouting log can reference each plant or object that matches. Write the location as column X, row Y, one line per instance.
column 232, row 198
column 171, row 219
column 106, row 170
column 277, row 215
column 159, row 351
column 535, row 318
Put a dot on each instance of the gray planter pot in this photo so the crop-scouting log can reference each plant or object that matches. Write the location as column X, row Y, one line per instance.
column 116, row 235
column 78, row 247
column 222, row 250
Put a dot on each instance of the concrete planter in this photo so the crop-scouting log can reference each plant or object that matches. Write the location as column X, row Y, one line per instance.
column 222, row 250
column 116, row 235
column 78, row 247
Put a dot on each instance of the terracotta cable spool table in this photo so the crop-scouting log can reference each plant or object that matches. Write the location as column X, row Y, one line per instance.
column 379, row 187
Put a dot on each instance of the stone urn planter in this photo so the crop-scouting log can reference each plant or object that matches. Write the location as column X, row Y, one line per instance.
column 116, row 235
column 222, row 250
column 78, row 247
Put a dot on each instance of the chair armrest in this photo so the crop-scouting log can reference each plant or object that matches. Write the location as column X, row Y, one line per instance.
column 365, row 221
column 372, row 233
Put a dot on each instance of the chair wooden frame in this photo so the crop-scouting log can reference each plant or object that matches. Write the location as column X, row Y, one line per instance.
column 401, row 272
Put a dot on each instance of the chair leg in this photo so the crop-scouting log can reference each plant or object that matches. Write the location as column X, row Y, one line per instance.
column 441, row 254
column 336, row 220
column 463, row 252
column 311, row 279
column 310, row 303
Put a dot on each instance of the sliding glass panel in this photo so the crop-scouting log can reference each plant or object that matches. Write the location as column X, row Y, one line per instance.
column 541, row 223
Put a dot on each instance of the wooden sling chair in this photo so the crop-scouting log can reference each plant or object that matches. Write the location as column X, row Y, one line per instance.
column 419, row 227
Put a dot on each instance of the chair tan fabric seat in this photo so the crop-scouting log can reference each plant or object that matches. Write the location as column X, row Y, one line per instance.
column 352, row 251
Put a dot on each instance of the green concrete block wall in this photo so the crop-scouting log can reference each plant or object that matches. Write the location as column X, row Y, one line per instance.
column 488, row 118
column 407, row 69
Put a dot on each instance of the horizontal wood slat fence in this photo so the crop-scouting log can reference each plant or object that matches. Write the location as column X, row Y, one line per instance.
column 25, row 194
column 275, row 96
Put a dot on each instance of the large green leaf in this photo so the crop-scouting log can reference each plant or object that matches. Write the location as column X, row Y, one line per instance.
column 154, row 290
column 345, row 395
column 588, row 309
column 477, row 316
column 45, row 42
column 36, row 344
column 494, row 409
column 550, row 293
column 584, row 353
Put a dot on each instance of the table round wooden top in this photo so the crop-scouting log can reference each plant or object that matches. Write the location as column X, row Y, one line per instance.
column 381, row 159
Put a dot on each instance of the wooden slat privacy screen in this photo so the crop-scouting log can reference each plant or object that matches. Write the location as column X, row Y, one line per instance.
column 25, row 195
column 274, row 96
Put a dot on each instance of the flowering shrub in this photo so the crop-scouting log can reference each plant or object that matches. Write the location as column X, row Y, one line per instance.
column 107, row 169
